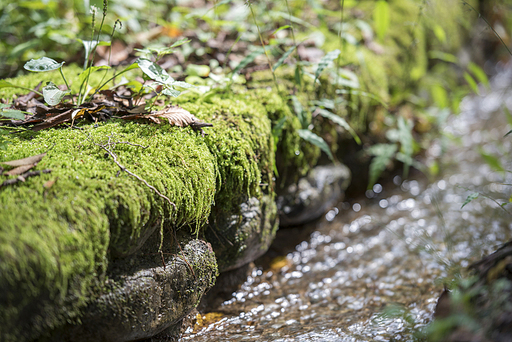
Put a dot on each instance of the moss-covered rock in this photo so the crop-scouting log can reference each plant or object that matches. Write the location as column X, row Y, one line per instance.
column 56, row 242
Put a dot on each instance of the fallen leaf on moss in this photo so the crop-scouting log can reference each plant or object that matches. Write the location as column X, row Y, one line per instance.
column 25, row 161
column 175, row 115
column 49, row 184
column 23, row 177
column 19, row 170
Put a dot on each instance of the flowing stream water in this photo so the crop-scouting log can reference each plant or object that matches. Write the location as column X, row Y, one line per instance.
column 391, row 248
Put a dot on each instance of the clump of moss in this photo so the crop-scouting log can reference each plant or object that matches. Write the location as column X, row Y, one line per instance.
column 55, row 242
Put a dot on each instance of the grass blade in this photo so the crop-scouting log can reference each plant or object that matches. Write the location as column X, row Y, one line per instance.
column 311, row 137
column 340, row 121
column 383, row 154
column 283, row 58
column 325, row 61
column 248, row 59
column 471, row 197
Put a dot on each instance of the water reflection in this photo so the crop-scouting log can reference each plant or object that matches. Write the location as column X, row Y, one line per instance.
column 389, row 247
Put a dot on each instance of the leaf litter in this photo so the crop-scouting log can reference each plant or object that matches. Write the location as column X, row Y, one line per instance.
column 21, row 169
column 105, row 105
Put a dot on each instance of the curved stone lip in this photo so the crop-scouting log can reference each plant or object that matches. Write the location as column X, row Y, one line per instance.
column 147, row 301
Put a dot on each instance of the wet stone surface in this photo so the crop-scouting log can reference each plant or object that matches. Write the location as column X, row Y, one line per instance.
column 392, row 247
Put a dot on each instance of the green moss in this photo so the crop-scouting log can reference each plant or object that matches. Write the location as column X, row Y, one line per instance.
column 55, row 243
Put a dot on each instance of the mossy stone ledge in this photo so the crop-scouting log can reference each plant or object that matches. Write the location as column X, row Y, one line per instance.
column 59, row 242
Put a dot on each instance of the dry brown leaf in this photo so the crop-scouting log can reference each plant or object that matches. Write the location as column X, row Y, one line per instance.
column 19, row 170
column 176, row 116
column 49, row 184
column 138, row 109
column 25, row 161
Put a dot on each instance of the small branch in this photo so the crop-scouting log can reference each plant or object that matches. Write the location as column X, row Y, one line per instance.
column 23, row 177
column 489, row 25
column 106, row 148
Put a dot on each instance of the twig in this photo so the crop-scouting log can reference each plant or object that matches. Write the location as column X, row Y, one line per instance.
column 106, row 148
column 23, row 177
column 489, row 25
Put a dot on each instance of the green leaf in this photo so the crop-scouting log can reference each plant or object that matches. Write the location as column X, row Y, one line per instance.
column 89, row 46
column 508, row 133
column 183, row 85
column 5, row 84
column 347, row 79
column 492, row 161
column 325, row 61
column 471, row 197
column 507, row 114
column 340, row 121
column 197, row 70
column 479, row 73
column 406, row 142
column 13, row 114
column 180, row 42
column 439, row 96
column 410, row 161
column 440, row 33
column 171, row 92
column 447, row 57
column 383, row 154
column 299, row 111
column 248, row 59
column 297, row 75
column 84, row 74
column 154, row 71
column 381, row 18
column 283, row 58
column 52, row 94
column 311, row 137
column 281, row 28
column 325, row 103
column 42, row 64
column 471, row 82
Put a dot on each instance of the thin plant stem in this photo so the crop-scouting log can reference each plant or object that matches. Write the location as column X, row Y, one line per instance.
column 29, row 89
column 110, row 79
column 109, row 56
column 338, row 60
column 86, row 62
column 294, row 42
column 63, row 77
column 86, row 83
column 490, row 26
column 263, row 45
